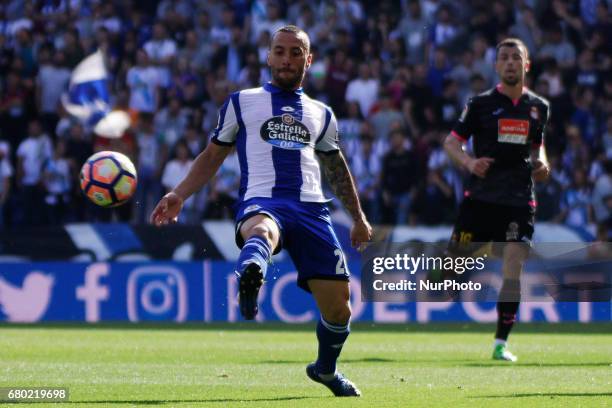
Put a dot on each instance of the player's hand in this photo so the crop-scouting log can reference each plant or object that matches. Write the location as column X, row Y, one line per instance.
column 540, row 171
column 480, row 166
column 167, row 210
column 360, row 234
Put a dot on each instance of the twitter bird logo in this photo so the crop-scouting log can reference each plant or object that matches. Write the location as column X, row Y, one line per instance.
column 29, row 302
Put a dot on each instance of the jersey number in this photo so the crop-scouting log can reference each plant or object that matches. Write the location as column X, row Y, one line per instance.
column 340, row 264
column 465, row 237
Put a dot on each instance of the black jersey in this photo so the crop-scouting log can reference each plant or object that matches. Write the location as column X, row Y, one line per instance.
column 506, row 131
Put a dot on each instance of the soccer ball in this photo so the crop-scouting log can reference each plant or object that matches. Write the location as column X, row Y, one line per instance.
column 108, row 179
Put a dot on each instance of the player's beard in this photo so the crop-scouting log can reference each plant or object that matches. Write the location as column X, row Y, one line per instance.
column 288, row 82
column 511, row 80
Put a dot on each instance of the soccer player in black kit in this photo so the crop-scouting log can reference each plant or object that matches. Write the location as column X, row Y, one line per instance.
column 507, row 126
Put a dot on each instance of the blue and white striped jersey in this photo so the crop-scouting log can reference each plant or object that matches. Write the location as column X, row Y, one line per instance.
column 276, row 133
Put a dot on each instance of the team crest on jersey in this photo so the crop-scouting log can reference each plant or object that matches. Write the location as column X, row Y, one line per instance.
column 512, row 131
column 286, row 132
column 534, row 113
column 287, row 119
column 512, row 233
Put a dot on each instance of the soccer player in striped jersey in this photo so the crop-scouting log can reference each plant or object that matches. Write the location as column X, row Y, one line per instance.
column 279, row 133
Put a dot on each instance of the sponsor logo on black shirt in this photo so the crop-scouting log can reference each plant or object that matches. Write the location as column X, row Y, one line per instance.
column 506, row 131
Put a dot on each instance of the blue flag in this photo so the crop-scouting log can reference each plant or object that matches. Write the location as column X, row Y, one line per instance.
column 88, row 98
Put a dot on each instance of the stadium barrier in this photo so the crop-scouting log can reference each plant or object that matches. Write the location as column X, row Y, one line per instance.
column 91, row 242
column 205, row 291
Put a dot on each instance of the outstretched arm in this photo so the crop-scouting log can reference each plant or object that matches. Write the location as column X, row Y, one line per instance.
column 202, row 170
column 339, row 177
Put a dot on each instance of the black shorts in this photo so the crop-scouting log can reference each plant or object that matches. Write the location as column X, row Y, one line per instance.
column 481, row 221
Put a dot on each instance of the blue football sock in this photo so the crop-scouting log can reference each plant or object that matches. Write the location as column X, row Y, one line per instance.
column 331, row 339
column 255, row 250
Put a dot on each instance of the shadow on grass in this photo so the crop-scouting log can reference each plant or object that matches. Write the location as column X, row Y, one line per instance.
column 179, row 401
column 549, row 394
column 344, row 360
column 516, row 365
column 358, row 327
column 445, row 362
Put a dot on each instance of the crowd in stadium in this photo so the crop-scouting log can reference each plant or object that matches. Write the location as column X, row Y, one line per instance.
column 396, row 73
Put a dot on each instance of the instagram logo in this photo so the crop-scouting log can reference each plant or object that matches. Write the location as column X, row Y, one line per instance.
column 156, row 293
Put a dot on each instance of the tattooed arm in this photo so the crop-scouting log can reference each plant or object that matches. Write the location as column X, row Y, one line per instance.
column 339, row 177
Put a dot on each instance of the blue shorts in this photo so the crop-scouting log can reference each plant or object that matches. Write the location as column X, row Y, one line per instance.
column 306, row 232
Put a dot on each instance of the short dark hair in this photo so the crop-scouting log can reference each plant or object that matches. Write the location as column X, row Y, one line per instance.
column 512, row 42
column 295, row 30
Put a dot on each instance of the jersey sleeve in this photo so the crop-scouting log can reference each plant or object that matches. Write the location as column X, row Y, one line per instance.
column 538, row 137
column 464, row 127
column 227, row 126
column 327, row 141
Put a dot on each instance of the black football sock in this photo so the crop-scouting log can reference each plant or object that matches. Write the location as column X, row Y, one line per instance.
column 507, row 306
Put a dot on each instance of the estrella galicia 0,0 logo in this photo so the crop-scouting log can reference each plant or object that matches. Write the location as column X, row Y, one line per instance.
column 286, row 132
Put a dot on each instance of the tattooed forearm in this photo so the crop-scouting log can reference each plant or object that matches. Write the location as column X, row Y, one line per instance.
column 337, row 173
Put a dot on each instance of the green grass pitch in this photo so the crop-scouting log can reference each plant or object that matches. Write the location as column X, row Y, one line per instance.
column 262, row 365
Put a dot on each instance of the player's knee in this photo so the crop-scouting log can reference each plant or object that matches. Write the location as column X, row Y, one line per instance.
column 261, row 230
column 339, row 314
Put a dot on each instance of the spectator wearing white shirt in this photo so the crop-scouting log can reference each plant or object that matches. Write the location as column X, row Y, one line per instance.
column 52, row 81
column 349, row 127
column 363, row 89
column 175, row 171
column 144, row 81
column 366, row 166
column 161, row 50
column 32, row 153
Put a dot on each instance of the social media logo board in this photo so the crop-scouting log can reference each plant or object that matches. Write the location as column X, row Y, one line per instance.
column 207, row 291
column 28, row 301
column 156, row 292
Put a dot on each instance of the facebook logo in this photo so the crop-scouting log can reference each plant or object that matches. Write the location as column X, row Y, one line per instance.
column 156, row 293
column 92, row 292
